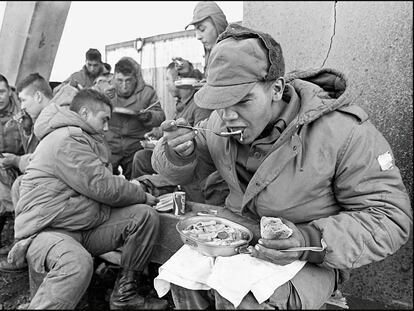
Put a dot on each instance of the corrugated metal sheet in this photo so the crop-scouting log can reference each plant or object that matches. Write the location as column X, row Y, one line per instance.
column 156, row 53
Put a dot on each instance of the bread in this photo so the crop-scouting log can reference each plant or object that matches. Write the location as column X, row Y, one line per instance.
column 273, row 228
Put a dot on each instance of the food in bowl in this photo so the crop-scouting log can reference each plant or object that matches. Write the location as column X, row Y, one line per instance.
column 214, row 233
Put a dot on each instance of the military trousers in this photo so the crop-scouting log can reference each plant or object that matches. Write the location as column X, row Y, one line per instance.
column 67, row 257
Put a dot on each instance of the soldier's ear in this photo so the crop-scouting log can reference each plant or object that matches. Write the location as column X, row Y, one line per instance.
column 278, row 88
column 84, row 112
column 38, row 96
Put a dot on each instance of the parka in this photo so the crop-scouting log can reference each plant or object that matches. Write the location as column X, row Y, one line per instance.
column 82, row 77
column 69, row 181
column 126, row 131
column 326, row 172
column 9, row 129
column 10, row 142
column 190, row 111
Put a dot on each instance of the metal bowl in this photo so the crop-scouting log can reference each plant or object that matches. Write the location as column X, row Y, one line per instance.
column 213, row 250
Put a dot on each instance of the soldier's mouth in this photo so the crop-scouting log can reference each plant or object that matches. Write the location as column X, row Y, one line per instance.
column 234, row 131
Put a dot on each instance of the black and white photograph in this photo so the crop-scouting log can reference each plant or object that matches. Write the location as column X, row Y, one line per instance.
column 206, row 155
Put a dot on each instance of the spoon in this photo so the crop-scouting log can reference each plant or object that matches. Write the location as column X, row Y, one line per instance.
column 150, row 106
column 221, row 134
column 293, row 249
column 304, row 248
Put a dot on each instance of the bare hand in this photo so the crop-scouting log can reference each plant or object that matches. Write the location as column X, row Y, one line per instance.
column 144, row 116
column 155, row 133
column 182, row 66
column 151, row 200
column 9, row 160
column 178, row 139
column 268, row 249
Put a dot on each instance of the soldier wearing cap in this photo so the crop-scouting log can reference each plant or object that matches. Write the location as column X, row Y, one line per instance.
column 306, row 154
column 209, row 21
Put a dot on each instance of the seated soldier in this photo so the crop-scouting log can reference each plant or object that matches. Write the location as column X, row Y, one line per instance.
column 136, row 111
column 35, row 94
column 302, row 151
column 72, row 207
column 186, row 108
column 10, row 147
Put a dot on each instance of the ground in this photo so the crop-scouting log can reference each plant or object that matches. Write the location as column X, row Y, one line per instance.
column 15, row 289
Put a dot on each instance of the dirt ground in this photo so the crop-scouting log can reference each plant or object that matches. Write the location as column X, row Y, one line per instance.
column 15, row 289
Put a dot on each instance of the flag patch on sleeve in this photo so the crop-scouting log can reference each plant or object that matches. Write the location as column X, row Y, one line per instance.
column 385, row 161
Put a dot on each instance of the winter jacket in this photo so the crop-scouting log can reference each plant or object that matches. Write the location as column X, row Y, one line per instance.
column 69, row 182
column 329, row 172
column 10, row 141
column 82, row 77
column 126, row 131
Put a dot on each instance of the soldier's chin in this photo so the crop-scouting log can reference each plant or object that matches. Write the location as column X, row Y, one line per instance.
column 125, row 94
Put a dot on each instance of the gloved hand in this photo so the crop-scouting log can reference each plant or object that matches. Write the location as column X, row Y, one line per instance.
column 268, row 249
column 178, row 139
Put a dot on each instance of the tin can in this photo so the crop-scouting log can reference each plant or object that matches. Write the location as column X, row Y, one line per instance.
column 179, row 203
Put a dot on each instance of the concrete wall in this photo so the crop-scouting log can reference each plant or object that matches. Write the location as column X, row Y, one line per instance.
column 371, row 42
column 30, row 45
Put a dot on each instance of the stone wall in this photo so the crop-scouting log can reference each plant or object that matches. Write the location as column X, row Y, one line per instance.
column 371, row 42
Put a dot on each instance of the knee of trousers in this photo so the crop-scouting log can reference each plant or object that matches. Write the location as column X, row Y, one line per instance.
column 79, row 266
column 147, row 214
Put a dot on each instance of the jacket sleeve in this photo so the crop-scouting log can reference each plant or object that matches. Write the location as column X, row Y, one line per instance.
column 182, row 170
column 80, row 168
column 376, row 216
column 24, row 162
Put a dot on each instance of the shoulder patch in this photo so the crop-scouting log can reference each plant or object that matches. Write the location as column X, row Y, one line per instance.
column 355, row 111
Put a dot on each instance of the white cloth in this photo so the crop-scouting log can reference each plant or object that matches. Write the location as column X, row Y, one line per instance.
column 232, row 277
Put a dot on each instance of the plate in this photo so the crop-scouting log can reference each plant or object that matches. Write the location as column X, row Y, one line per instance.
column 123, row 110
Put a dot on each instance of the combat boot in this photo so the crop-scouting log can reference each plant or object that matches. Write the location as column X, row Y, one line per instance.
column 125, row 295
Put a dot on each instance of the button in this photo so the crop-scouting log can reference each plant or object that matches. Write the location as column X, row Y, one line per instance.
column 295, row 147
